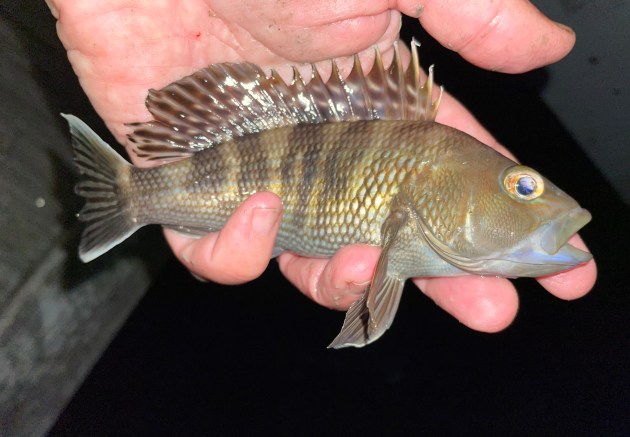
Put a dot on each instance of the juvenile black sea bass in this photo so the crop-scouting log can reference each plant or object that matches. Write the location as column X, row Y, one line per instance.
column 354, row 160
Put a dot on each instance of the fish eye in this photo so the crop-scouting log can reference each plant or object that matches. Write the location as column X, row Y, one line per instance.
column 523, row 183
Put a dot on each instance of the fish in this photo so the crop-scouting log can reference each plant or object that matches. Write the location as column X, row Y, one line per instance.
column 358, row 159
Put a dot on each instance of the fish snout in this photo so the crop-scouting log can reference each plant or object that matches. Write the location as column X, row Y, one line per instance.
column 560, row 230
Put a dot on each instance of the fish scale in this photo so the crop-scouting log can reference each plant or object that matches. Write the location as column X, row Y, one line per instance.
column 354, row 160
column 200, row 194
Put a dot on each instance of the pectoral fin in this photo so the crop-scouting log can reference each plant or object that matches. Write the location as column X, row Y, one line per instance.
column 361, row 326
column 369, row 317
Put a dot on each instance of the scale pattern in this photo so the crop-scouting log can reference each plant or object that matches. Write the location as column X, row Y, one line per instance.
column 336, row 181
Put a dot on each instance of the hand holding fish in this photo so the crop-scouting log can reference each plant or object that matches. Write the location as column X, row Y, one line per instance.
column 121, row 51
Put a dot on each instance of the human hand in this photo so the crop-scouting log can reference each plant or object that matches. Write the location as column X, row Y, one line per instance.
column 120, row 49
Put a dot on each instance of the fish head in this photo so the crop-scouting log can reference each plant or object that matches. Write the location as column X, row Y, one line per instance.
column 523, row 229
column 503, row 219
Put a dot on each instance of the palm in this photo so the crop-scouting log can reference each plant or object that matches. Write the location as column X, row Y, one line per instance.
column 119, row 53
column 121, row 49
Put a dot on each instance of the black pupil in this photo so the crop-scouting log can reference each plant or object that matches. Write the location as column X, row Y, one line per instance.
column 526, row 185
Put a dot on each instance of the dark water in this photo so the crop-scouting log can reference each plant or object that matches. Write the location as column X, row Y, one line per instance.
column 205, row 359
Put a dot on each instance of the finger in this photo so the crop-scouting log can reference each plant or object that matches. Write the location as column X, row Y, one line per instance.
column 507, row 36
column 239, row 252
column 485, row 304
column 336, row 283
column 573, row 283
column 453, row 113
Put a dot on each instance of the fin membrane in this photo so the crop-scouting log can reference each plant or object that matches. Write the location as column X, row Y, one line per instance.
column 229, row 100
column 373, row 314
column 358, row 328
column 106, row 211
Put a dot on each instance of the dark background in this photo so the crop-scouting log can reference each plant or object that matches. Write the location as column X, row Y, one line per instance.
column 200, row 358
column 205, row 359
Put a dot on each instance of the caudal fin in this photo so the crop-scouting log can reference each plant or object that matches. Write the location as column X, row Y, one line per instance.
column 106, row 211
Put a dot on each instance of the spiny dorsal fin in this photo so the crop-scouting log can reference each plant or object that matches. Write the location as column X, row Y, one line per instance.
column 229, row 100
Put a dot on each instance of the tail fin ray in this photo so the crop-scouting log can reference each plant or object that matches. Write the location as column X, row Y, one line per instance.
column 107, row 210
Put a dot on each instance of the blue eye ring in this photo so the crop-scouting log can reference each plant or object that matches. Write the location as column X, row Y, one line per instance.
column 523, row 183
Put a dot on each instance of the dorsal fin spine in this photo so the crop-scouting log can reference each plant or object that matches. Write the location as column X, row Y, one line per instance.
column 229, row 100
column 414, row 68
column 397, row 71
column 337, row 79
column 281, row 90
column 319, row 85
column 310, row 113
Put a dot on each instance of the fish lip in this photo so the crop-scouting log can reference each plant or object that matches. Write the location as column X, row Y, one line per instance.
column 569, row 256
column 554, row 236
column 549, row 252
column 546, row 252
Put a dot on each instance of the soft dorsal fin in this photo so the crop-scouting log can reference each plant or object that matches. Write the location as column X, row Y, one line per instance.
column 224, row 101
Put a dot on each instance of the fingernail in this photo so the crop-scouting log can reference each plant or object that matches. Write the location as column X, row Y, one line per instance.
column 187, row 253
column 265, row 219
column 344, row 294
column 198, row 278
column 53, row 10
column 351, row 287
column 358, row 288
column 400, row 22
column 564, row 27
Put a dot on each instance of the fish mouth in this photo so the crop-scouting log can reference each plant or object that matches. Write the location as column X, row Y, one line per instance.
column 546, row 251
column 555, row 236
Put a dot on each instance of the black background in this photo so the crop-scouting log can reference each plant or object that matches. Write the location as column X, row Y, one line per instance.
column 199, row 358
